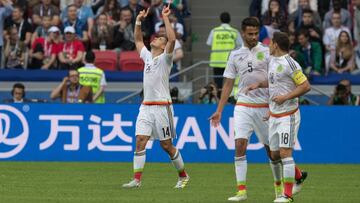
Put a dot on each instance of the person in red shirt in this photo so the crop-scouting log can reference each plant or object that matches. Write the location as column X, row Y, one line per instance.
column 45, row 49
column 72, row 50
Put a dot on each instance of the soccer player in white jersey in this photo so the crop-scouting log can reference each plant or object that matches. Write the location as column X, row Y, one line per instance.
column 155, row 119
column 250, row 63
column 286, row 82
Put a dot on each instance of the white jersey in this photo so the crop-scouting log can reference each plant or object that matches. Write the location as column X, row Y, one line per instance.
column 156, row 76
column 284, row 74
column 251, row 66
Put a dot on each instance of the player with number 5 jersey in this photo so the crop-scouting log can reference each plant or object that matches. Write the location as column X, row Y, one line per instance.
column 155, row 119
column 250, row 63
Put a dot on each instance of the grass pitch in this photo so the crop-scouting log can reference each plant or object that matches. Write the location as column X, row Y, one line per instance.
column 101, row 182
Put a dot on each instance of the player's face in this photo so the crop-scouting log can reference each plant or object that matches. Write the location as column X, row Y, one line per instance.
column 251, row 36
column 272, row 47
column 159, row 42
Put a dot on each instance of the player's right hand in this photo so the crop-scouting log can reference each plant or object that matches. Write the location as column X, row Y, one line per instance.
column 142, row 14
column 251, row 87
column 215, row 119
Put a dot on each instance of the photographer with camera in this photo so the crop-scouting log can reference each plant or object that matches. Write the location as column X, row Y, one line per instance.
column 70, row 90
column 209, row 94
column 343, row 95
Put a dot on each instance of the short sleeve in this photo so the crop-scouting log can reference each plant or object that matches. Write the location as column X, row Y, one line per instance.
column 169, row 58
column 230, row 70
column 295, row 72
column 103, row 80
column 143, row 53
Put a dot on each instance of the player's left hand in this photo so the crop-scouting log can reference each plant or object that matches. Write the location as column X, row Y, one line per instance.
column 267, row 116
column 280, row 99
column 166, row 11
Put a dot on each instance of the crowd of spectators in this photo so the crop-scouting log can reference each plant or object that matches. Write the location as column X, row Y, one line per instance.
column 54, row 34
column 324, row 34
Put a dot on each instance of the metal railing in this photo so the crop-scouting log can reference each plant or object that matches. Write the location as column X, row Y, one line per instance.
column 207, row 77
column 185, row 70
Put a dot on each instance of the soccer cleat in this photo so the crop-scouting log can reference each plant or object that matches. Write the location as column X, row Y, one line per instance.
column 299, row 183
column 283, row 199
column 278, row 190
column 132, row 184
column 240, row 196
column 182, row 182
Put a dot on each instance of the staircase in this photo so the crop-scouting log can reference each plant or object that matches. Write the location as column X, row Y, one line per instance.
column 204, row 17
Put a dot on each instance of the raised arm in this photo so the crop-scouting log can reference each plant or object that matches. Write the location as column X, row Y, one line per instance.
column 137, row 32
column 169, row 30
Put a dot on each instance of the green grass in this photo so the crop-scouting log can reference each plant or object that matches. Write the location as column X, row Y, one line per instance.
column 101, row 182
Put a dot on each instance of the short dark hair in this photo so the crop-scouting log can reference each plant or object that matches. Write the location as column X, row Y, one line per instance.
column 304, row 32
column 90, row 56
column 19, row 85
column 225, row 17
column 282, row 40
column 250, row 22
column 307, row 10
column 20, row 8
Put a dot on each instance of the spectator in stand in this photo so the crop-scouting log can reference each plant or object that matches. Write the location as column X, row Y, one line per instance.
column 357, row 20
column 84, row 14
column 14, row 51
column 133, row 4
column 297, row 15
column 307, row 23
column 5, row 11
column 345, row 19
column 293, row 44
column 112, row 9
column 343, row 95
column 180, row 5
column 147, row 26
column 45, row 8
column 308, row 54
column 174, row 93
column 18, row 94
column 81, row 28
column 102, row 34
column 44, row 50
column 343, row 57
column 42, row 29
column 70, row 90
column 331, row 35
column 293, row 5
column 72, row 51
column 124, row 32
column 178, row 27
column 259, row 7
column 222, row 40
column 274, row 19
column 209, row 94
column 23, row 26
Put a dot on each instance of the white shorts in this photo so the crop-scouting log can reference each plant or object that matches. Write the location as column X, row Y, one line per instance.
column 156, row 121
column 249, row 119
column 283, row 131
